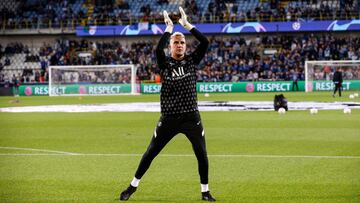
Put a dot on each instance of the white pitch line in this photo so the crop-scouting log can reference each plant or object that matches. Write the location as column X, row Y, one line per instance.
column 40, row 150
column 192, row 155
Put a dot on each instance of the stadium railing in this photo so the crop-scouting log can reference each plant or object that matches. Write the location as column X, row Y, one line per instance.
column 71, row 24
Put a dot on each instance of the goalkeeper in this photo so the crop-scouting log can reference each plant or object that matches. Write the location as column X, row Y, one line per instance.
column 179, row 110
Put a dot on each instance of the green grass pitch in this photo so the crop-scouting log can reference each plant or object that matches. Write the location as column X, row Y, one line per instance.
column 254, row 156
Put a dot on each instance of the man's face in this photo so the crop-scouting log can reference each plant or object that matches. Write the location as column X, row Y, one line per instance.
column 177, row 46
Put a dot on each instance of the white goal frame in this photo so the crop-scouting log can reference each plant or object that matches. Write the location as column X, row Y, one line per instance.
column 131, row 66
column 329, row 62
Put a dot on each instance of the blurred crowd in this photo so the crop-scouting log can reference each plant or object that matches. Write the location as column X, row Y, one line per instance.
column 228, row 59
column 274, row 10
column 95, row 75
column 35, row 14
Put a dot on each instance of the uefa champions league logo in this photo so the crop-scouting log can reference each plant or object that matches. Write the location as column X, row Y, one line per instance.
column 338, row 26
column 257, row 27
column 250, row 87
column 92, row 30
column 82, row 90
column 141, row 28
column 28, row 91
column 296, row 25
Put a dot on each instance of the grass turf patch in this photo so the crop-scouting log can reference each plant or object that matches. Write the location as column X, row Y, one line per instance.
column 100, row 178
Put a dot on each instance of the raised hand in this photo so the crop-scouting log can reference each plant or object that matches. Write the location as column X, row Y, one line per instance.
column 183, row 20
column 168, row 22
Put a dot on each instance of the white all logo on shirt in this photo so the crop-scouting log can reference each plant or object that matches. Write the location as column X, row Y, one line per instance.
column 178, row 73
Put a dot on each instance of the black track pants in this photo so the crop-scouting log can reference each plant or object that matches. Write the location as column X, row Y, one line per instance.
column 169, row 126
column 338, row 86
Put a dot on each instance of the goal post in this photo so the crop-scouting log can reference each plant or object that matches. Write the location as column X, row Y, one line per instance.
column 319, row 75
column 79, row 80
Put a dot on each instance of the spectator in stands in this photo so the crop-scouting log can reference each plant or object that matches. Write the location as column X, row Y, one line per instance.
column 2, row 76
column 122, row 4
column 7, row 61
column 26, row 75
column 160, row 2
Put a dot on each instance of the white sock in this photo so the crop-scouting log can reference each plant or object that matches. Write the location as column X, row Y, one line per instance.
column 204, row 187
column 135, row 182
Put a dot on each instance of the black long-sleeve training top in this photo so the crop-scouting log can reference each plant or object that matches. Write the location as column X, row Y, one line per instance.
column 178, row 90
column 337, row 77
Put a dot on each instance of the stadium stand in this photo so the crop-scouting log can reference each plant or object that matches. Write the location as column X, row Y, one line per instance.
column 32, row 14
column 241, row 59
column 228, row 59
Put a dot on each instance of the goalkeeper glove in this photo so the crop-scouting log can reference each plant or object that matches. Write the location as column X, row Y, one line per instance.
column 169, row 24
column 183, row 20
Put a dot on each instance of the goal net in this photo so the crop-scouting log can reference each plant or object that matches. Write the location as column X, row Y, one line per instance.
column 319, row 75
column 92, row 80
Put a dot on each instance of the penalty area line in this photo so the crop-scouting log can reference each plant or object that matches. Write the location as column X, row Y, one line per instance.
column 40, row 150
